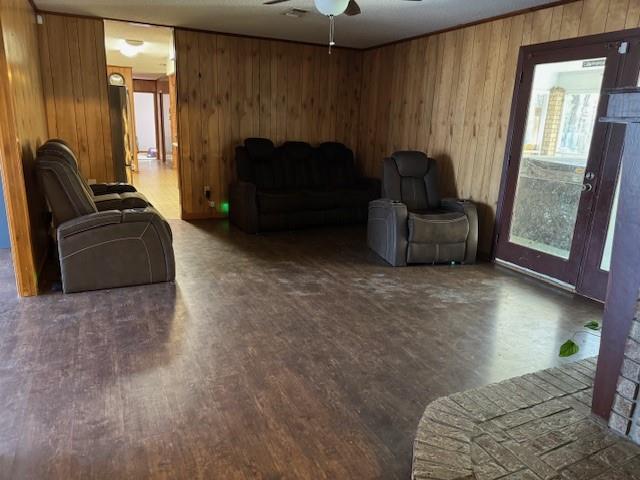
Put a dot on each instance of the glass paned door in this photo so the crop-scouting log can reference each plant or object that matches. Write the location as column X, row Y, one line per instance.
column 555, row 157
column 560, row 122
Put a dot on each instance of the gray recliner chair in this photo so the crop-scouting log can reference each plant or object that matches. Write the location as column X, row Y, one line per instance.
column 107, row 196
column 102, row 249
column 412, row 224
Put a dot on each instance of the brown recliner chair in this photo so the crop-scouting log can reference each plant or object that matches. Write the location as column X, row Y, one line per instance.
column 107, row 196
column 412, row 224
column 102, row 249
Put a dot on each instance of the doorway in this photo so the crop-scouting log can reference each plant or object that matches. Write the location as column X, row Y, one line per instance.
column 144, row 56
column 559, row 190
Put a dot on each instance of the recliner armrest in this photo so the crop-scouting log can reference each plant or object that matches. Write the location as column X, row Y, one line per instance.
column 89, row 222
column 106, row 188
column 470, row 210
column 243, row 206
column 115, row 249
column 387, row 230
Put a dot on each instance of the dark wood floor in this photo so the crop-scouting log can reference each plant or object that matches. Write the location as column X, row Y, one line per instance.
column 286, row 356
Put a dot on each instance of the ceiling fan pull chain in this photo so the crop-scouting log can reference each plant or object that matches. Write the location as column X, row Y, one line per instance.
column 331, row 32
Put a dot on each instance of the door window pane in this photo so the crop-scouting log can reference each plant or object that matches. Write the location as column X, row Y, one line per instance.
column 560, row 122
column 608, row 246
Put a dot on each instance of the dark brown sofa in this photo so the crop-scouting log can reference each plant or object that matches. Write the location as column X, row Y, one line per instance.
column 296, row 185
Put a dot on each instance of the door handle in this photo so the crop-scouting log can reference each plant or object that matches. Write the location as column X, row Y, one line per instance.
column 587, row 187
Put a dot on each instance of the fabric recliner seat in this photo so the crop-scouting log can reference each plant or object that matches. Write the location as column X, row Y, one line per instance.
column 107, row 196
column 295, row 185
column 102, row 249
column 412, row 224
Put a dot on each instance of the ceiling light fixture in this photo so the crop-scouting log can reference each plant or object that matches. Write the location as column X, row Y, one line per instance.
column 331, row 8
column 131, row 48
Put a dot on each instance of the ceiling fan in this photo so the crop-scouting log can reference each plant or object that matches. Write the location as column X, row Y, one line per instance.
column 333, row 8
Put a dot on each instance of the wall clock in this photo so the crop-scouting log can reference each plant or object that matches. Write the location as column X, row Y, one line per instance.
column 116, row 79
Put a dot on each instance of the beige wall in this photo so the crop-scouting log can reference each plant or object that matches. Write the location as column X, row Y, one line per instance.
column 450, row 94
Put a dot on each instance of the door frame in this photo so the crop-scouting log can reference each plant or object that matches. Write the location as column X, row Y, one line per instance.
column 502, row 210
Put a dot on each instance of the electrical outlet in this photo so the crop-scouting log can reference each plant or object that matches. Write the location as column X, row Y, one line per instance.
column 212, row 204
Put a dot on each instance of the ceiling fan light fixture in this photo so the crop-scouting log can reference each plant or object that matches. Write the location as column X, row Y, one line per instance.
column 331, row 7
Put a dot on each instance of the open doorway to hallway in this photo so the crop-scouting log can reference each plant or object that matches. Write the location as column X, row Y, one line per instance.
column 142, row 58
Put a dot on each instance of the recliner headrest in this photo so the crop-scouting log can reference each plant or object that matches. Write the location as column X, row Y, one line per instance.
column 59, row 150
column 336, row 150
column 412, row 163
column 297, row 150
column 259, row 148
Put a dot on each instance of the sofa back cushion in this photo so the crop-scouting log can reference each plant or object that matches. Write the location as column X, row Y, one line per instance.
column 292, row 167
column 337, row 168
column 295, row 165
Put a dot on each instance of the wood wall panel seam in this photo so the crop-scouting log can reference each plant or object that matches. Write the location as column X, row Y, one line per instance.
column 236, row 88
column 74, row 71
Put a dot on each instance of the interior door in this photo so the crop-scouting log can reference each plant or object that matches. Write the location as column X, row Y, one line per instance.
column 556, row 157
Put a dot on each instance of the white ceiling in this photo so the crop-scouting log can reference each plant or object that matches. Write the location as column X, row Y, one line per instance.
column 154, row 59
column 381, row 20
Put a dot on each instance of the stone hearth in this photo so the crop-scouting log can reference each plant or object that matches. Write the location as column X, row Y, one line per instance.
column 538, row 426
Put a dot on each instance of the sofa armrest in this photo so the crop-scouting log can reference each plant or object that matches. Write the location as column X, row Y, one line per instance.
column 115, row 249
column 470, row 210
column 373, row 185
column 243, row 206
column 106, row 188
column 387, row 230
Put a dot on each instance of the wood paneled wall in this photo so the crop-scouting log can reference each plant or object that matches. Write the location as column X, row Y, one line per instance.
column 22, row 130
column 450, row 94
column 230, row 88
column 74, row 74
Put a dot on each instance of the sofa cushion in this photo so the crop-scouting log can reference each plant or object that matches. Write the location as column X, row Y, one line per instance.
column 259, row 148
column 438, row 228
column 337, row 168
column 292, row 165
column 280, row 201
column 322, row 199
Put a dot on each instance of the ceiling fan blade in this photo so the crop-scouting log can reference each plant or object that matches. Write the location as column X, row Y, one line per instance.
column 352, row 9
column 274, row 2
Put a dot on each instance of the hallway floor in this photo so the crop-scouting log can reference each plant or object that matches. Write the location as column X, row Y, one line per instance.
column 159, row 183
column 296, row 355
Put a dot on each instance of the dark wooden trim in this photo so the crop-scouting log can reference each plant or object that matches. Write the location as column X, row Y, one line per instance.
column 475, row 22
column 144, row 86
column 197, row 30
column 624, row 278
column 524, row 52
column 33, row 6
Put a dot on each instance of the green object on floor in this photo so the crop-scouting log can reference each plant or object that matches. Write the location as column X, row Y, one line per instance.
column 569, row 348
column 224, row 207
